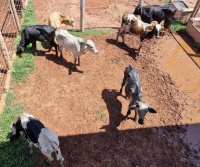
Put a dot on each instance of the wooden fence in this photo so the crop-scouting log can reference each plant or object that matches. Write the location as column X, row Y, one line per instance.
column 11, row 12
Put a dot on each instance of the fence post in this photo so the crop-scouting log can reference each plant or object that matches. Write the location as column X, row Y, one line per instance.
column 82, row 15
column 196, row 8
column 5, row 52
column 14, row 13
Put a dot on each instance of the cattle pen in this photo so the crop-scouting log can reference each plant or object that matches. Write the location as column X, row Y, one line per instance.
column 84, row 108
column 11, row 14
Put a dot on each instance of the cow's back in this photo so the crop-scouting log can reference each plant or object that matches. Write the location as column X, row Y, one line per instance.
column 33, row 129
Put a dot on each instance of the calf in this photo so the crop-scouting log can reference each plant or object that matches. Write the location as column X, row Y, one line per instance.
column 34, row 33
column 36, row 134
column 156, row 13
column 74, row 44
column 133, row 91
column 56, row 20
column 133, row 25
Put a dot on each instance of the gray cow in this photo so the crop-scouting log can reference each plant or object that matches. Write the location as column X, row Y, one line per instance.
column 74, row 44
column 133, row 91
column 36, row 134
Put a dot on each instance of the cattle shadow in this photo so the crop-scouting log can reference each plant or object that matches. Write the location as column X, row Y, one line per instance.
column 114, row 107
column 151, row 146
column 131, row 51
column 63, row 62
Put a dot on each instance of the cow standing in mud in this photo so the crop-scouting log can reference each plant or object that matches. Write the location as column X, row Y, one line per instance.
column 38, row 135
column 133, row 91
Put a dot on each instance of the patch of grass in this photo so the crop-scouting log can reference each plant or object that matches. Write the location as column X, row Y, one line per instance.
column 178, row 26
column 16, row 153
column 100, row 115
column 90, row 32
column 166, row 1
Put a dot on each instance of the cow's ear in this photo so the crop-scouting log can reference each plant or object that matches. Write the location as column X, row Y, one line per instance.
column 163, row 30
column 133, row 107
column 151, row 110
column 149, row 29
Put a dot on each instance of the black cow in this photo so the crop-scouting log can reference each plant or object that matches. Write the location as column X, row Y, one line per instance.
column 156, row 13
column 133, row 91
column 34, row 33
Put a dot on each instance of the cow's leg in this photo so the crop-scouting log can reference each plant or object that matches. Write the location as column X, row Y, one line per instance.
column 30, row 145
column 75, row 59
column 135, row 116
column 121, row 33
column 123, row 82
column 79, row 63
column 59, row 157
column 60, row 49
column 34, row 47
column 48, row 155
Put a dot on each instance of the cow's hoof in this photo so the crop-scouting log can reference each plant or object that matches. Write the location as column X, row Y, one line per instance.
column 30, row 152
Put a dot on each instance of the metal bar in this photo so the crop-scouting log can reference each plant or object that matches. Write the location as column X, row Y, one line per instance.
column 14, row 12
column 5, row 52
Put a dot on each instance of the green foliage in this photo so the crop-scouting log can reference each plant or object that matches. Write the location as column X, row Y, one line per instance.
column 90, row 32
column 22, row 67
column 178, row 26
column 16, row 153
column 167, row 1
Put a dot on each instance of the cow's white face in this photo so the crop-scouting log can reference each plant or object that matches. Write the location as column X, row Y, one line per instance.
column 91, row 46
column 13, row 129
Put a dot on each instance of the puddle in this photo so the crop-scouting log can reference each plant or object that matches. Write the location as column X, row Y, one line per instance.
column 186, row 75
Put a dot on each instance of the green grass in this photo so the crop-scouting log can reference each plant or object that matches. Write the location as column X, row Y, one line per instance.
column 178, row 26
column 90, row 32
column 16, row 153
column 166, row 1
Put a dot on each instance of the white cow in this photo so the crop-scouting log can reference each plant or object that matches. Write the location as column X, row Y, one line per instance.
column 36, row 134
column 74, row 44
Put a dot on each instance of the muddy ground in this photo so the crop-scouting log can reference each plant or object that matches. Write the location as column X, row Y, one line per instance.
column 84, row 107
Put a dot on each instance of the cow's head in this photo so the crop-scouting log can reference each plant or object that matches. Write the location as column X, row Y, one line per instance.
column 15, row 132
column 138, row 10
column 20, row 50
column 156, row 30
column 91, row 46
column 142, row 108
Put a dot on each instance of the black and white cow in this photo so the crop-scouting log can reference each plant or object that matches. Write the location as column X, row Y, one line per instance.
column 133, row 91
column 156, row 13
column 34, row 33
column 36, row 134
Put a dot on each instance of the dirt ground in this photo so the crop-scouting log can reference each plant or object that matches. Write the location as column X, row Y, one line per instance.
column 84, row 107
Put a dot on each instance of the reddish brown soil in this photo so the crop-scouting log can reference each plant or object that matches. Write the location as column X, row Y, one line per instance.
column 84, row 107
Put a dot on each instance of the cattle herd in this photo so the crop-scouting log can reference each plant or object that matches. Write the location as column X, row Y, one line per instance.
column 35, row 132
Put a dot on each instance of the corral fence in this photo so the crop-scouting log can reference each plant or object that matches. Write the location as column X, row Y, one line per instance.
column 11, row 14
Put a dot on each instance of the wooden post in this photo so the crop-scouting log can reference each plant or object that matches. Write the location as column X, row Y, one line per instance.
column 5, row 52
column 196, row 9
column 14, row 13
column 82, row 15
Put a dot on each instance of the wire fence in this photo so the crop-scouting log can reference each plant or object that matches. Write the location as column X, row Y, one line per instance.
column 11, row 12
